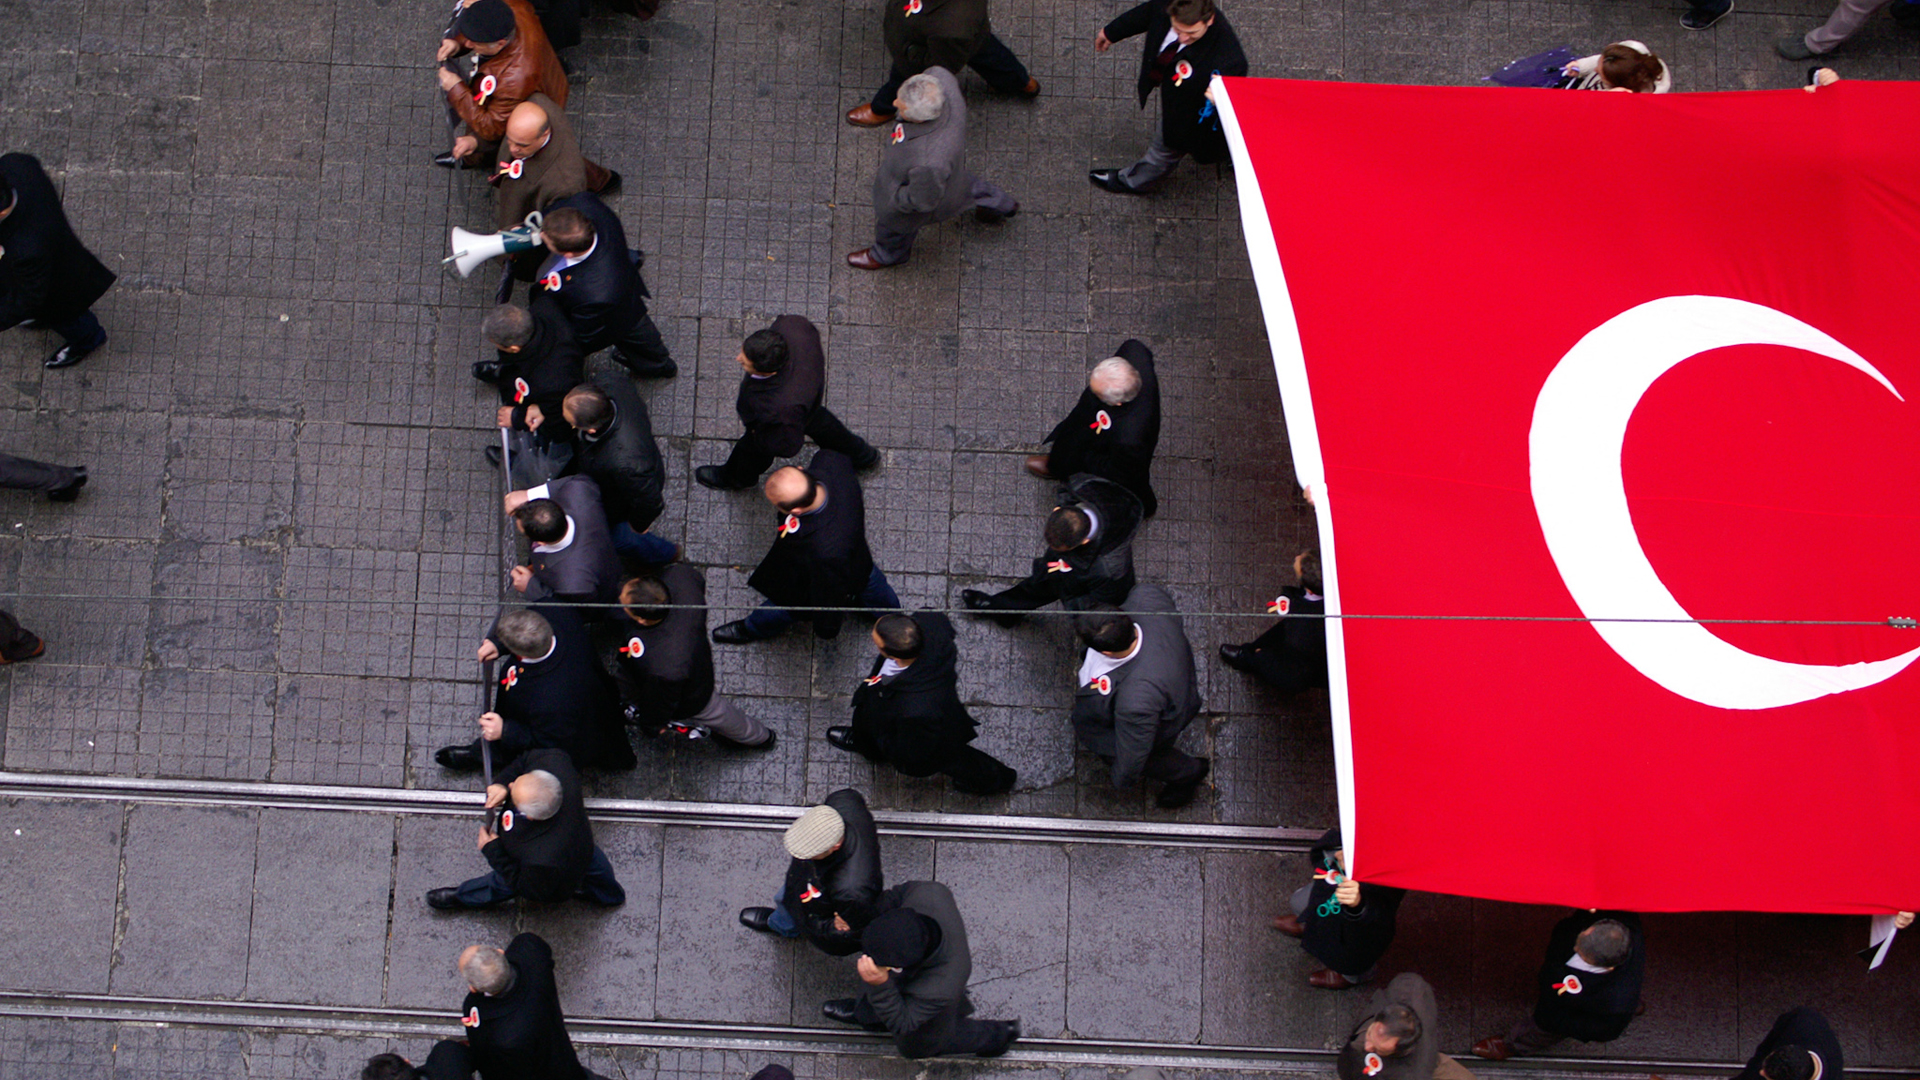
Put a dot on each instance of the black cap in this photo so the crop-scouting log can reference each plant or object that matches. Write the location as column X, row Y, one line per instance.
column 900, row 938
column 485, row 22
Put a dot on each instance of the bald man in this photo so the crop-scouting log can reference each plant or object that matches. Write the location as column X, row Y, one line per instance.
column 539, row 162
column 819, row 557
column 542, row 848
column 1114, row 427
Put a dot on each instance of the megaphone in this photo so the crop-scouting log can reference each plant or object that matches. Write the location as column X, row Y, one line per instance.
column 470, row 249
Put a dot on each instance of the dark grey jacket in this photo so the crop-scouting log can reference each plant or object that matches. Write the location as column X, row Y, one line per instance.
column 919, row 993
column 1149, row 700
column 1415, row 1058
column 923, row 175
column 586, row 570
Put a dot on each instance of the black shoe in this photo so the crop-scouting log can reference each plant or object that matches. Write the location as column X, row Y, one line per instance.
column 841, row 1009
column 70, row 490
column 70, row 355
column 1238, row 657
column 1175, row 796
column 756, row 918
column 1009, row 1034
column 646, row 369
column 712, row 476
column 448, row 161
column 492, row 454
column 1698, row 18
column 867, row 460
column 1110, row 180
column 734, row 744
column 733, row 633
column 975, row 600
column 444, row 899
column 487, row 371
column 458, row 758
column 611, row 187
column 841, row 738
column 989, row 216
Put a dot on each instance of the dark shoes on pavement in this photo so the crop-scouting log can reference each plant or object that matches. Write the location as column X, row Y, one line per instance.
column 1494, row 1049
column 487, row 371
column 1794, row 48
column 1236, row 656
column 69, row 355
column 70, row 490
column 712, row 476
column 1031, row 90
column 986, row 215
column 1699, row 17
column 1329, row 979
column 458, row 758
column 733, row 633
column 1110, row 180
column 444, row 899
column 663, row 368
column 867, row 460
column 1009, row 1034
column 975, row 600
column 757, row 918
column 1290, row 925
column 843, row 1010
column 864, row 260
column 841, row 738
column 1175, row 796
column 19, row 653
column 1037, row 465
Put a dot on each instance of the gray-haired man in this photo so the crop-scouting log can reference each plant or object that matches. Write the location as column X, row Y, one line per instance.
column 923, row 175
column 543, row 847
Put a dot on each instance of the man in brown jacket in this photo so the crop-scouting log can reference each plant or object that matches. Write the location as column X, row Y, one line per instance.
column 952, row 34
column 494, row 57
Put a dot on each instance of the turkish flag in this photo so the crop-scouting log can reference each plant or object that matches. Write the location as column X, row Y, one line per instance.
column 1557, row 361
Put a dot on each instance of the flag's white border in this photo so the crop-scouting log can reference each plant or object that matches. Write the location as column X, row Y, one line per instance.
column 1290, row 369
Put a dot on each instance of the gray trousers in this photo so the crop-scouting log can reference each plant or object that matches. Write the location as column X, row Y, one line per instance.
column 1846, row 20
column 723, row 718
column 1146, row 174
column 893, row 246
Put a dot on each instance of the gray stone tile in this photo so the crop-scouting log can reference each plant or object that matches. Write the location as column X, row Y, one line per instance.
column 328, row 631
column 75, row 719
column 210, row 497
column 184, row 919
column 719, row 970
column 423, row 945
column 359, row 486
column 166, row 1052
column 1019, row 949
column 123, row 456
column 214, row 605
column 97, row 595
column 1254, row 990
column 60, row 937
column 290, row 1055
column 32, row 1047
column 1110, row 993
column 330, row 730
column 320, row 893
column 206, row 724
column 610, row 953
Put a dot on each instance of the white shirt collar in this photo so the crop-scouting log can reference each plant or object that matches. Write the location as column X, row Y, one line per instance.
column 1093, row 521
column 889, row 667
column 1098, row 663
column 542, row 656
column 557, row 545
column 1577, row 963
column 1172, row 36
column 575, row 260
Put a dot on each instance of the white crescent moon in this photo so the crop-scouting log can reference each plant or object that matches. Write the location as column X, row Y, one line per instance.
column 1579, row 426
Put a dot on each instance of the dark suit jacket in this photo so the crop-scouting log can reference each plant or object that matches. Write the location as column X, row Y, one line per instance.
column 45, row 273
column 1292, row 653
column 522, row 1033
column 602, row 295
column 1415, row 1058
column 943, row 33
column 1604, row 1004
column 543, row 860
column 1802, row 1027
column 915, row 719
column 1353, row 940
column 775, row 408
column 846, row 883
column 545, row 368
column 1181, row 106
column 1100, row 570
column 669, row 675
column 623, row 457
column 1121, row 449
column 586, row 570
column 1151, row 698
column 566, row 700
column 823, row 559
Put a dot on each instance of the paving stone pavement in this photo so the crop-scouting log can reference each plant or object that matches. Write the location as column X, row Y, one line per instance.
column 289, row 544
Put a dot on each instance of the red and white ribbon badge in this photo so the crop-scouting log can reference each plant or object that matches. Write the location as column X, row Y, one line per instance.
column 511, row 169
column 912, row 7
column 871, row 680
column 551, row 282
column 520, row 390
column 1279, row 605
column 511, row 678
column 1059, row 566
column 1101, row 421
column 1331, row 877
column 487, row 86
column 791, row 525
column 1571, row 986
column 634, row 647
column 899, row 132
column 506, row 821
column 472, row 1019
column 811, row 894
column 1182, row 72
column 1102, row 684
column 1374, row 1064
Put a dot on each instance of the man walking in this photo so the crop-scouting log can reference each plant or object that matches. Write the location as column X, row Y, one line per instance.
column 1291, row 655
column 1588, row 986
column 494, row 56
column 1343, row 924
column 47, row 277
column 516, row 1029
column 1186, row 43
column 615, row 448
column 542, row 848
column 779, row 404
column 665, row 667
column 923, row 175
column 950, row 34
column 552, row 693
column 595, row 279
column 570, row 554
column 1136, row 694
column 1113, row 429
column 833, row 883
column 1089, row 557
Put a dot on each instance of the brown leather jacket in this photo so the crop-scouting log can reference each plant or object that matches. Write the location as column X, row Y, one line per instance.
column 526, row 66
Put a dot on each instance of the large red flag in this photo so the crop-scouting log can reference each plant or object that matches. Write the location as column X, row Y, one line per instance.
column 1558, row 361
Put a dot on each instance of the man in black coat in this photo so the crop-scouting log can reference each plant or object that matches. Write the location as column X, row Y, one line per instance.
column 916, row 962
column 516, row 1029
column 536, row 361
column 1397, row 1038
column 570, row 556
column 665, row 667
column 47, row 277
column 614, row 447
column 1292, row 654
column 1343, row 924
column 596, row 281
column 543, row 848
column 819, row 556
column 450, row 1059
column 950, row 34
column 833, row 883
column 907, row 710
column 1136, row 694
column 1589, row 986
column 1801, row 1046
column 1113, row 429
column 553, row 693
column 1089, row 559
column 1187, row 43
column 779, row 404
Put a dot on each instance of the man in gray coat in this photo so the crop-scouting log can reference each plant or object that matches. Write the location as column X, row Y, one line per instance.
column 1136, row 693
column 572, row 558
column 923, row 175
column 916, row 963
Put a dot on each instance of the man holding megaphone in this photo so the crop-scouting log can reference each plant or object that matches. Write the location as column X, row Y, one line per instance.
column 594, row 278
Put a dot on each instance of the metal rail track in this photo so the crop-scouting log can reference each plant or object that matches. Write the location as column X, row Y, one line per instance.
column 772, row 1039
column 987, row 827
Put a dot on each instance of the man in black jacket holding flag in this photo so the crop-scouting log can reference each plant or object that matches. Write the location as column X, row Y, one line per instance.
column 542, row 846
column 1589, row 986
column 1187, row 43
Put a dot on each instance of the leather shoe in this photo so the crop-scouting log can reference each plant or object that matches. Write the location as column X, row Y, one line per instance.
column 1175, row 796
column 70, row 490
column 444, row 899
column 711, row 476
column 1009, row 1034
column 1037, row 465
column 487, row 370
column 975, row 600
column 458, row 758
column 864, row 260
column 1329, row 979
column 69, row 355
column 867, row 460
column 988, row 216
column 841, row 1009
column 611, row 187
column 733, row 633
column 1110, row 180
column 1031, row 90
column 755, row 918
column 1494, row 1049
column 841, row 738
column 864, row 116
column 1290, row 925
column 1235, row 656
column 448, row 161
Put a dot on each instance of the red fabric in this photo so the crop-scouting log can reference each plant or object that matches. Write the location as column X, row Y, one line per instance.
column 1443, row 249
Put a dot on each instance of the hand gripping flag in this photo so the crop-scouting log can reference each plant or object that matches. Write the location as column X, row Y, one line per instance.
column 1555, row 396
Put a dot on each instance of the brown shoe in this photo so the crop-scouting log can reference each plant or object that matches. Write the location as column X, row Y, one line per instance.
column 1031, row 90
column 20, row 655
column 864, row 260
column 1494, row 1049
column 864, row 116
column 1037, row 465
column 1290, row 925
column 1329, row 979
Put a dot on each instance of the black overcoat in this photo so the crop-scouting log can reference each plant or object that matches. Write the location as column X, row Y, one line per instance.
column 820, row 559
column 545, row 368
column 623, row 457
column 602, row 295
column 666, row 670
column 847, row 883
column 1805, row 1028
column 775, row 408
column 1353, row 940
column 1120, row 446
column 46, row 274
column 1187, row 124
column 566, row 701
column 1100, row 570
column 933, row 33
column 915, row 719
column 521, row 1034
column 543, row 860
column 1605, row 1001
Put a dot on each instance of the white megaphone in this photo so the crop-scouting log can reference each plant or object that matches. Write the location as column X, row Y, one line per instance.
column 470, row 249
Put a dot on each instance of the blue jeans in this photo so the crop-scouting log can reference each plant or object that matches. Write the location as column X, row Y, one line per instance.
column 768, row 621
column 782, row 921
column 599, row 886
column 644, row 546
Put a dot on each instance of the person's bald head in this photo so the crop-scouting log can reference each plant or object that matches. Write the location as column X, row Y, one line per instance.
column 527, row 127
column 790, row 489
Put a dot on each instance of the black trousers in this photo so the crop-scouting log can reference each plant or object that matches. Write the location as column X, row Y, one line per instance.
column 1274, row 662
column 750, row 458
column 1170, row 765
column 1039, row 590
column 16, row 641
column 643, row 351
column 949, row 1031
column 26, row 474
column 972, row 770
column 995, row 63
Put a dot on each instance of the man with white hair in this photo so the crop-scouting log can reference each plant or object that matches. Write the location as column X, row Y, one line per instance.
column 542, row 848
column 923, row 175
column 1114, row 427
column 515, row 1027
